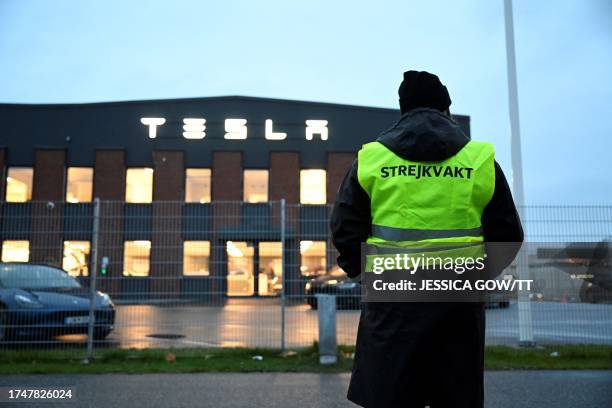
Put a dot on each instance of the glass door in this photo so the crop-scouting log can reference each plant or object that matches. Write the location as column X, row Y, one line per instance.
column 240, row 267
column 244, row 258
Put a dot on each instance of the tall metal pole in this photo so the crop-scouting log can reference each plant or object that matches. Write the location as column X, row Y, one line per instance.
column 524, row 305
column 92, row 279
column 283, row 269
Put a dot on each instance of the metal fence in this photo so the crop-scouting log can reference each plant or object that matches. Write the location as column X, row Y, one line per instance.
column 176, row 274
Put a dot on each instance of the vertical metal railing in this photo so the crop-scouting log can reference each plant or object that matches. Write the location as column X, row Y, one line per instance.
column 92, row 279
column 283, row 232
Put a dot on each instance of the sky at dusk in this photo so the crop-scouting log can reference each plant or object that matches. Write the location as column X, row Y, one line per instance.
column 345, row 52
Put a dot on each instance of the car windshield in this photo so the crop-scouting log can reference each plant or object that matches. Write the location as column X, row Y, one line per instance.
column 35, row 277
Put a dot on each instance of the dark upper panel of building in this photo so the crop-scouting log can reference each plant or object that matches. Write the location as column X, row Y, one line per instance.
column 83, row 128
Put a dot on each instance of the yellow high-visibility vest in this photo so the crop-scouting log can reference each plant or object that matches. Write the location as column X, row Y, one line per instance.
column 424, row 204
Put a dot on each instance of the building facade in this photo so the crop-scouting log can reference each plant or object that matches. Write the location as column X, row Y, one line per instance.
column 190, row 189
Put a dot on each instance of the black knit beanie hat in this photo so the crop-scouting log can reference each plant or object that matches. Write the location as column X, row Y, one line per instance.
column 420, row 89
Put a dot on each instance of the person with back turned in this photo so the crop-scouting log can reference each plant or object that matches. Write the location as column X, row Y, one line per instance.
column 422, row 353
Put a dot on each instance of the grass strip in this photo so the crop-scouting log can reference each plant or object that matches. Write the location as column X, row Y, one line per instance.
column 197, row 360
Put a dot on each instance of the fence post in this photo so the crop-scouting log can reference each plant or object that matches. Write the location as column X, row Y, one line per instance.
column 284, row 270
column 328, row 345
column 92, row 279
column 524, row 303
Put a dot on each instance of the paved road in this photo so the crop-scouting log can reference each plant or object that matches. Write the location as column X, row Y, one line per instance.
column 504, row 389
column 257, row 323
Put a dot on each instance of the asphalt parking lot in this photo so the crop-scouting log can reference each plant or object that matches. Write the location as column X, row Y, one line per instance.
column 257, row 323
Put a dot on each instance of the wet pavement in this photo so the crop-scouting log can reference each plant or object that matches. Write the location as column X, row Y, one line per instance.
column 257, row 323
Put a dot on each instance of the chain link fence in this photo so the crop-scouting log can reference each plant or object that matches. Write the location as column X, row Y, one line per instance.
column 225, row 274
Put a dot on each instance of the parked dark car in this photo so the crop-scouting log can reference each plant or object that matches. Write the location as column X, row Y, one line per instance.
column 590, row 264
column 42, row 301
column 498, row 299
column 336, row 282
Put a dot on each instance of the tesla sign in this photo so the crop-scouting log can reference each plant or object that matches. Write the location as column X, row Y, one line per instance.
column 236, row 129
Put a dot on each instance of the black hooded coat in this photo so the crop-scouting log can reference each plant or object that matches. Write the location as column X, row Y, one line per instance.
column 413, row 354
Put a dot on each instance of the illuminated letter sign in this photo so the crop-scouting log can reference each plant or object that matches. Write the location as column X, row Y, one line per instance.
column 194, row 128
column 316, row 127
column 235, row 129
column 270, row 134
column 153, row 123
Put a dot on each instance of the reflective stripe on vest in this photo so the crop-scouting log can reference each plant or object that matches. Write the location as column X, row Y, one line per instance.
column 405, row 234
column 421, row 202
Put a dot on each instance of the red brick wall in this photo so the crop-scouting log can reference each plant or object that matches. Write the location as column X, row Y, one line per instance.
column 46, row 244
column 109, row 187
column 226, row 185
column 2, row 173
column 109, row 175
column 168, row 176
column 227, row 176
column 337, row 166
column 285, row 176
column 166, row 240
column 49, row 175
column 2, row 181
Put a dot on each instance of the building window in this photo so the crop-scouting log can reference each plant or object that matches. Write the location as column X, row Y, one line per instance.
column 270, row 277
column 76, row 258
column 196, row 255
column 197, row 185
column 15, row 251
column 255, row 186
column 139, row 185
column 19, row 184
column 313, row 187
column 136, row 258
column 79, row 184
column 313, row 258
